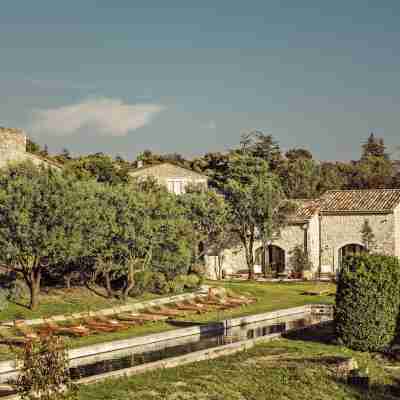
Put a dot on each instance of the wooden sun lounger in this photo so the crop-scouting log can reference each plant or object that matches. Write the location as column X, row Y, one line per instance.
column 168, row 312
column 217, row 305
column 51, row 327
column 112, row 322
column 152, row 317
column 98, row 326
column 25, row 329
column 7, row 338
column 203, row 306
column 140, row 318
column 183, row 306
column 132, row 319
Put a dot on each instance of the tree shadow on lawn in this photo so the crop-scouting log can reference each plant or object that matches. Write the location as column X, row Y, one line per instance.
column 323, row 333
column 376, row 391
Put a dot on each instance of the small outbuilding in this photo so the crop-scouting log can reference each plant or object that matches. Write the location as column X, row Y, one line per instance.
column 173, row 177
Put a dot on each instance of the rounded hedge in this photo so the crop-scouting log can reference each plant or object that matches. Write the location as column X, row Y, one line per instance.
column 367, row 302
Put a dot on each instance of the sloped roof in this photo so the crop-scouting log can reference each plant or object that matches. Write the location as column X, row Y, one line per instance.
column 360, row 201
column 137, row 171
column 307, row 208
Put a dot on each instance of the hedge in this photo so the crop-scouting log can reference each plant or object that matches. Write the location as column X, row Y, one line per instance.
column 367, row 302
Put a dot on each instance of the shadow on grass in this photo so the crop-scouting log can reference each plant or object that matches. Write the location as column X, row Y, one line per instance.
column 323, row 333
column 374, row 391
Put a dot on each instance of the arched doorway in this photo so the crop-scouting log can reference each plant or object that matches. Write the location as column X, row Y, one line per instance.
column 350, row 249
column 273, row 259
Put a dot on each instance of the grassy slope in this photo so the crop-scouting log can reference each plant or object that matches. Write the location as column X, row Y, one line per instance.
column 63, row 301
column 271, row 296
column 300, row 373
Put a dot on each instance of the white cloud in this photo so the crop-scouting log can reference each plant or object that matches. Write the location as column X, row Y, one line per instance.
column 106, row 116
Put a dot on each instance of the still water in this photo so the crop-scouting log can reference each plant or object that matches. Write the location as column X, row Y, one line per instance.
column 131, row 357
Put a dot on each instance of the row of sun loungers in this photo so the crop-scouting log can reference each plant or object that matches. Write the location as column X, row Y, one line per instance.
column 119, row 322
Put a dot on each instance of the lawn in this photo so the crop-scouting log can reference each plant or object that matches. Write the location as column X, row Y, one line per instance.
column 65, row 301
column 270, row 296
column 289, row 369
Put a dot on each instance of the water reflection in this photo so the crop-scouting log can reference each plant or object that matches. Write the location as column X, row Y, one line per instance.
column 170, row 348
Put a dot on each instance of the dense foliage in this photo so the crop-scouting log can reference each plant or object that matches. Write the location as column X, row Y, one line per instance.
column 367, row 302
column 44, row 373
column 301, row 175
column 54, row 224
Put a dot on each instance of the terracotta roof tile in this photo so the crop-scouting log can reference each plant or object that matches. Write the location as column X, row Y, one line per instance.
column 307, row 208
column 374, row 200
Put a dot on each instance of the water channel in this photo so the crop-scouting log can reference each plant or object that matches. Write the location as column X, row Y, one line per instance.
column 216, row 337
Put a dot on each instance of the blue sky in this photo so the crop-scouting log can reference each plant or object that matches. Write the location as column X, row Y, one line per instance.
column 191, row 76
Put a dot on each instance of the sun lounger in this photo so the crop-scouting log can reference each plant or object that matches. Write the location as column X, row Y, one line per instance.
column 25, row 329
column 152, row 317
column 7, row 338
column 187, row 307
column 98, row 326
column 51, row 327
column 168, row 312
column 112, row 322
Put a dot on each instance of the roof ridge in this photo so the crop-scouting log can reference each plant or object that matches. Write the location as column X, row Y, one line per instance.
column 363, row 190
column 169, row 163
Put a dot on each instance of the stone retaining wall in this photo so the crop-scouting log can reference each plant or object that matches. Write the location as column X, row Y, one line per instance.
column 79, row 356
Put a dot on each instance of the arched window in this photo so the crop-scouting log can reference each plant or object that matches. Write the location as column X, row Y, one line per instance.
column 350, row 249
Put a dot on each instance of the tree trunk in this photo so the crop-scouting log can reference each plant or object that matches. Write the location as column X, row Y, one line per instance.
column 110, row 291
column 33, row 281
column 250, row 255
column 130, row 282
column 67, row 280
column 248, row 244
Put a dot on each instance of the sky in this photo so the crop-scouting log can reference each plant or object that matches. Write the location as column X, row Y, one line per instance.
column 191, row 76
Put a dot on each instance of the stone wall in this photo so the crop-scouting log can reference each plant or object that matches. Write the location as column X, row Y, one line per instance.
column 313, row 234
column 13, row 149
column 12, row 145
column 397, row 230
column 290, row 237
column 340, row 230
column 234, row 260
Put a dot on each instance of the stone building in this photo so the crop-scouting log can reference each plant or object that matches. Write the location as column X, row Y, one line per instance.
column 327, row 229
column 175, row 178
column 13, row 149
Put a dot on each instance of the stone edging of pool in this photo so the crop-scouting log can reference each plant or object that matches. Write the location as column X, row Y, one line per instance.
column 82, row 355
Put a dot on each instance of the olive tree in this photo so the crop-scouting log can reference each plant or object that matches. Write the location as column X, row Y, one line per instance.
column 123, row 236
column 43, row 220
column 258, row 204
column 209, row 213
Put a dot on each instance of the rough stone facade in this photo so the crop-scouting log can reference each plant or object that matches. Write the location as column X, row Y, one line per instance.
column 12, row 145
column 340, row 230
column 325, row 232
column 173, row 177
column 13, row 149
column 397, row 230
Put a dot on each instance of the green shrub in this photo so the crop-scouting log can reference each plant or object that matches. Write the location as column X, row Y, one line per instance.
column 192, row 281
column 367, row 302
column 143, row 283
column 158, row 283
column 176, row 286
